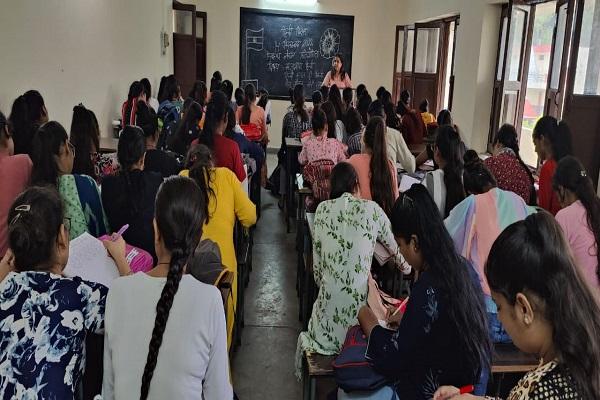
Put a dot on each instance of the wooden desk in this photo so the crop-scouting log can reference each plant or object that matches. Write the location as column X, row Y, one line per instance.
column 108, row 145
column 293, row 146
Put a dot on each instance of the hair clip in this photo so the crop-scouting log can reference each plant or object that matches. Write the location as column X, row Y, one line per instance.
column 21, row 208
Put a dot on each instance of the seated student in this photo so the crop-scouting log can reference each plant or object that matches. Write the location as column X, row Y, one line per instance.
column 250, row 113
column 129, row 108
column 317, row 100
column 428, row 117
column 199, row 93
column 297, row 119
column 444, row 118
column 335, row 127
column 325, row 93
column 225, row 151
column 342, row 261
column 28, row 113
column 335, row 98
column 319, row 146
column 169, row 110
column 15, row 174
column 580, row 217
column 166, row 163
column 235, row 133
column 413, row 127
column 165, row 334
column 361, row 89
column 45, row 316
column 187, row 130
column 557, row 318
column 227, row 202
column 432, row 345
column 239, row 97
column 397, row 150
column 227, row 88
column 264, row 102
column 556, row 140
column 445, row 183
column 363, row 107
column 152, row 101
column 85, row 137
column 128, row 197
column 508, row 168
column 478, row 220
column 52, row 158
column 354, row 128
column 348, row 97
column 377, row 176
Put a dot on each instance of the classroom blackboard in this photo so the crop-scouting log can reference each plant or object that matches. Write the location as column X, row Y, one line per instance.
column 279, row 49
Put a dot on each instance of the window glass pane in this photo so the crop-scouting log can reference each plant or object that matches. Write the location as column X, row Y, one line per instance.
column 400, row 51
column 509, row 107
column 587, row 78
column 182, row 22
column 200, row 27
column 426, row 56
column 559, row 45
column 502, row 48
column 410, row 41
column 516, row 38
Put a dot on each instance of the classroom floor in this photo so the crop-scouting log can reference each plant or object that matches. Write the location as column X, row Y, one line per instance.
column 263, row 367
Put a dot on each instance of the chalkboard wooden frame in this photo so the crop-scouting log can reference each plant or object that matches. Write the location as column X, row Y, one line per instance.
column 259, row 11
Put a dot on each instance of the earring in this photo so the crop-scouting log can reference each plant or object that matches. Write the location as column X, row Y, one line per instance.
column 527, row 321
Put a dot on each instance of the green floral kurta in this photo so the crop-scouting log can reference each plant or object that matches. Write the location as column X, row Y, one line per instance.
column 345, row 232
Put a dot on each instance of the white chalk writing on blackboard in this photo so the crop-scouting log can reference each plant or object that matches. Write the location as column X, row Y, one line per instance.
column 330, row 43
column 254, row 42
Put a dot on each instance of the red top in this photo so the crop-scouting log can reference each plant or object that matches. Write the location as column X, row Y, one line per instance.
column 413, row 128
column 15, row 174
column 510, row 174
column 547, row 198
column 226, row 153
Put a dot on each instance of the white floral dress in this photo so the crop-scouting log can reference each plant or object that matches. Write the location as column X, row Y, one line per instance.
column 44, row 320
column 345, row 232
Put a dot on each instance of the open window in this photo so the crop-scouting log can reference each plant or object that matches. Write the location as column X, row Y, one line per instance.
column 424, row 59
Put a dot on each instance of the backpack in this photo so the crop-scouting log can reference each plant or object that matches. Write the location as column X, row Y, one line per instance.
column 169, row 115
column 317, row 175
column 351, row 369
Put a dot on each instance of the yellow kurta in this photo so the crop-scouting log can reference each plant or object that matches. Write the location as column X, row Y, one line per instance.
column 229, row 204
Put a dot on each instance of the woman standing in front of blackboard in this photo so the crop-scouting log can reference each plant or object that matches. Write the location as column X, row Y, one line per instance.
column 337, row 76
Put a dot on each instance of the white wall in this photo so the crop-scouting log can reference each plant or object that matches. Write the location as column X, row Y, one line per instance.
column 85, row 51
column 475, row 60
column 373, row 47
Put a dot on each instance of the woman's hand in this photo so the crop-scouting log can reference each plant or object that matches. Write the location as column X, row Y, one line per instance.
column 394, row 318
column 367, row 320
column 451, row 392
column 116, row 248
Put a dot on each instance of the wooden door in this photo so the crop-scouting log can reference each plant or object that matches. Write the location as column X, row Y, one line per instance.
column 582, row 100
column 184, row 45
column 428, row 64
column 201, row 46
column 561, row 45
column 398, row 62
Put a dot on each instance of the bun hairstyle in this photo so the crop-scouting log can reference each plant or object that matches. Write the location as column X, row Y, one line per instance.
column 249, row 99
column 26, row 115
column 180, row 215
column 451, row 149
column 381, row 183
column 415, row 213
column 34, row 221
column 47, row 142
column 477, row 178
column 86, row 138
column 319, row 122
column 298, row 100
column 571, row 175
column 534, row 248
column 507, row 137
column 216, row 113
column 557, row 133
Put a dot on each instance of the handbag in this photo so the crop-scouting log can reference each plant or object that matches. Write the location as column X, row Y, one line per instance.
column 379, row 301
column 351, row 369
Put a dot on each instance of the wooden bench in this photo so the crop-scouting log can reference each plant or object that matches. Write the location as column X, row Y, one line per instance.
column 506, row 359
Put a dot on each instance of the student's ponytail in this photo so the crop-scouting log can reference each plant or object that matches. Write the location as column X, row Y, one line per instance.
column 571, row 175
column 249, row 98
column 451, row 149
column 216, row 112
column 298, row 97
column 507, row 137
column 179, row 218
column 381, row 183
column 131, row 148
column 199, row 163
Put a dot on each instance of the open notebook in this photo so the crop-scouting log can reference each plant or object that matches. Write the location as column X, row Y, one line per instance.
column 89, row 260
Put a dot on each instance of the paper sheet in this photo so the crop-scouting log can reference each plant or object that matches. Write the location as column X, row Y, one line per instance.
column 89, row 260
column 406, row 182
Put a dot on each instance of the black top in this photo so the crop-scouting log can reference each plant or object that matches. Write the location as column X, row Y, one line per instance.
column 423, row 354
column 129, row 199
column 163, row 162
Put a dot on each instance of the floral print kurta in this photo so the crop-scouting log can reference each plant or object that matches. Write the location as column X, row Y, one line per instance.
column 44, row 320
column 345, row 232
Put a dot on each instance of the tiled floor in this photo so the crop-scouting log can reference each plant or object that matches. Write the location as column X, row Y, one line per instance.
column 263, row 367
